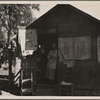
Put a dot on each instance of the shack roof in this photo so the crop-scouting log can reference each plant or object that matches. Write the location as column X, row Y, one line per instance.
column 65, row 18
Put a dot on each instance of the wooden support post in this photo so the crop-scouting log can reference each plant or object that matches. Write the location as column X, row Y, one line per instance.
column 21, row 84
column 32, row 81
column 10, row 69
column 56, row 80
column 35, row 74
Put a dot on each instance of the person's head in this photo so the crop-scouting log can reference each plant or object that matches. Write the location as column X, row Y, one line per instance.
column 54, row 46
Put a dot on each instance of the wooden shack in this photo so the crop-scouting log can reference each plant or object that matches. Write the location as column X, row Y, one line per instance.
column 78, row 37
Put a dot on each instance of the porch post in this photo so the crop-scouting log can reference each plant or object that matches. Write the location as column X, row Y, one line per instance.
column 10, row 69
column 57, row 57
column 35, row 75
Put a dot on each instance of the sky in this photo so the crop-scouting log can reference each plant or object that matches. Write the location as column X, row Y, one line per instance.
column 90, row 7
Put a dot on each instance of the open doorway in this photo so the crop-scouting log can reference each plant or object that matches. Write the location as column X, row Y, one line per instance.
column 45, row 42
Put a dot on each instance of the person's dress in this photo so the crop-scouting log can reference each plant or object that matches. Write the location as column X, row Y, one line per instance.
column 51, row 65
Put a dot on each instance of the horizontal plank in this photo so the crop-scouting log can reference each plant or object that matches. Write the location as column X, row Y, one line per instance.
column 27, row 90
column 4, row 72
column 26, row 80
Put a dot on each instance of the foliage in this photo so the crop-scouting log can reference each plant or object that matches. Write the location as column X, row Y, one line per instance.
column 12, row 15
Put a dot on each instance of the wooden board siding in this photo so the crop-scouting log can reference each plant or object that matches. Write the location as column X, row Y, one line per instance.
column 85, row 71
column 86, row 74
column 75, row 29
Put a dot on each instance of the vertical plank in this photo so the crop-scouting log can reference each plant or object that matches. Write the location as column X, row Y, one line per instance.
column 94, row 48
column 32, row 81
column 98, row 48
column 21, row 81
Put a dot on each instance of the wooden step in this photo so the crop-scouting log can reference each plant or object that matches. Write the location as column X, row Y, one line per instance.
column 25, row 80
column 27, row 90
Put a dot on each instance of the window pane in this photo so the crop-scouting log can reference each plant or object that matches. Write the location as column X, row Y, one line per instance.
column 67, row 47
column 75, row 48
column 31, row 39
column 82, row 47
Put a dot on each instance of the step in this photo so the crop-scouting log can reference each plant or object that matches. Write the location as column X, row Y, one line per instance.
column 25, row 80
column 27, row 90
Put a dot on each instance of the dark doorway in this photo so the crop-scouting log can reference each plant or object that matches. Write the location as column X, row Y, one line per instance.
column 45, row 40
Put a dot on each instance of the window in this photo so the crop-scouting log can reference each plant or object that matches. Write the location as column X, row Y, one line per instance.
column 82, row 47
column 75, row 48
column 31, row 39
